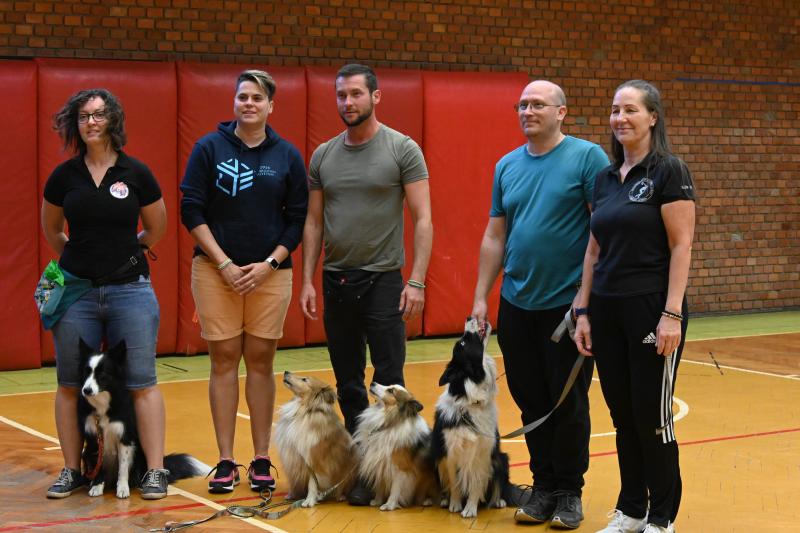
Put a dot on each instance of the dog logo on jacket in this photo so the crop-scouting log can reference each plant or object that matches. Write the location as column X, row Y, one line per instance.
column 466, row 443
column 108, row 420
column 316, row 450
column 393, row 441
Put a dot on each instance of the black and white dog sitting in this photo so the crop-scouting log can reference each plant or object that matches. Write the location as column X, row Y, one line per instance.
column 466, row 443
column 105, row 408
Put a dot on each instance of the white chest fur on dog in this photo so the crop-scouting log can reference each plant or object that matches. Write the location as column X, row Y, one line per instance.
column 393, row 442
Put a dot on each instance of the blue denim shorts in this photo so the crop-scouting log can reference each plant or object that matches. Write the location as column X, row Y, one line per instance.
column 112, row 313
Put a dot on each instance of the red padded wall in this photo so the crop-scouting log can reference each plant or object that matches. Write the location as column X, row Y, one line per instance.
column 147, row 92
column 205, row 98
column 469, row 125
column 19, row 218
column 400, row 108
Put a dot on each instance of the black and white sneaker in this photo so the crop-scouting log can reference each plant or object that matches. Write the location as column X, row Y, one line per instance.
column 155, row 483
column 569, row 510
column 68, row 481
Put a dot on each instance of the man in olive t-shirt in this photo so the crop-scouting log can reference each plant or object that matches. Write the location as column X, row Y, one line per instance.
column 358, row 181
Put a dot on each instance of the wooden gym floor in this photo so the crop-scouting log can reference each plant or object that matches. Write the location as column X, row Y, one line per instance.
column 738, row 424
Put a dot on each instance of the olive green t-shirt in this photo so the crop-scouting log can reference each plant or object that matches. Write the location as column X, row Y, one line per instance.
column 363, row 195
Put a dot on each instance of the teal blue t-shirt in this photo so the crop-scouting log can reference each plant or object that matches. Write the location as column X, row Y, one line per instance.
column 545, row 202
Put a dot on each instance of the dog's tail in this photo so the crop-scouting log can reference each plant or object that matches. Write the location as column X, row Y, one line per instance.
column 183, row 465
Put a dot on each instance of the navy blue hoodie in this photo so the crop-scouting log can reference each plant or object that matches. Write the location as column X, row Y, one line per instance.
column 252, row 199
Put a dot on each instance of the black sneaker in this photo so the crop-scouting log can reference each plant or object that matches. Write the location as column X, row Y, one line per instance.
column 569, row 511
column 226, row 477
column 539, row 508
column 68, row 481
column 517, row 495
column 155, row 483
column 360, row 494
column 259, row 474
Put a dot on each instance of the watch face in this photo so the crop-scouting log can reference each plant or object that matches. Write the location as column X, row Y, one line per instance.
column 273, row 263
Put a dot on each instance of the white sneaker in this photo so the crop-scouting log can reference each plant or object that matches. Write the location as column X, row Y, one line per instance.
column 652, row 528
column 622, row 523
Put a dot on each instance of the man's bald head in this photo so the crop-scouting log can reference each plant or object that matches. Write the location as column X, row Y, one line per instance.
column 544, row 86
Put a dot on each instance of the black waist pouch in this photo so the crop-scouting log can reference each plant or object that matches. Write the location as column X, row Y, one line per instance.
column 348, row 285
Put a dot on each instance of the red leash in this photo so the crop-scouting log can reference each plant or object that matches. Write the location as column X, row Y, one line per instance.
column 99, row 464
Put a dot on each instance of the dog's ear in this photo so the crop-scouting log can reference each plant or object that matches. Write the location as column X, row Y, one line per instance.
column 328, row 395
column 118, row 352
column 416, row 405
column 447, row 376
column 84, row 349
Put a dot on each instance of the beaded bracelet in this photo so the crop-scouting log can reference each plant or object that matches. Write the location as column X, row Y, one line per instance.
column 225, row 263
column 416, row 284
column 670, row 314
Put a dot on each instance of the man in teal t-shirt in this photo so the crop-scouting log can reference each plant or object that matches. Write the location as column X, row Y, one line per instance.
column 537, row 233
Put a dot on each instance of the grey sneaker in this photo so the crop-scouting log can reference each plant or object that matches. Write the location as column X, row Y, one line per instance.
column 653, row 528
column 155, row 483
column 360, row 494
column 539, row 508
column 569, row 511
column 68, row 481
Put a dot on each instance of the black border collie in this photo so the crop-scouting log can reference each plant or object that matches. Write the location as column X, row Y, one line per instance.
column 466, row 443
column 105, row 406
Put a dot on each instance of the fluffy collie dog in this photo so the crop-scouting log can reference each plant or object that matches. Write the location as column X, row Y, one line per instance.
column 316, row 450
column 466, row 444
column 393, row 441
column 105, row 408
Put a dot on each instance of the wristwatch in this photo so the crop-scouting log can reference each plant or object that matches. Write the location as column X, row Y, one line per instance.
column 579, row 311
column 271, row 261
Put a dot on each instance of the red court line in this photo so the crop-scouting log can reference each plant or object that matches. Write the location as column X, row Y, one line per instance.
column 694, row 442
column 123, row 514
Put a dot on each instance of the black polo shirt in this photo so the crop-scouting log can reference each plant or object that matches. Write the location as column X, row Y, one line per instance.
column 626, row 221
column 102, row 221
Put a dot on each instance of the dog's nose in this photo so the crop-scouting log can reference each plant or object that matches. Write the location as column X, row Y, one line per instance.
column 87, row 391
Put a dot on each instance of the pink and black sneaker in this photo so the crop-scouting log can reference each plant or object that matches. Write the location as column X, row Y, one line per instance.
column 259, row 474
column 226, row 477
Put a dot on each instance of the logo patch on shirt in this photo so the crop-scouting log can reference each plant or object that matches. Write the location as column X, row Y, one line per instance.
column 234, row 176
column 641, row 191
column 119, row 190
column 649, row 339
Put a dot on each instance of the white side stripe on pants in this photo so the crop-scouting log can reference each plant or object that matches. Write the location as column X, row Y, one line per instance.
column 667, row 429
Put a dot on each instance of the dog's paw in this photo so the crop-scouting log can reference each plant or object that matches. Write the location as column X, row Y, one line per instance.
column 96, row 490
column 389, row 506
column 376, row 502
column 499, row 504
column 455, row 506
column 470, row 511
column 309, row 502
column 427, row 502
column 123, row 491
column 444, row 503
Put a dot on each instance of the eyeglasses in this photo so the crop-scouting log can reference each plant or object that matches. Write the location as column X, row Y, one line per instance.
column 98, row 116
column 521, row 107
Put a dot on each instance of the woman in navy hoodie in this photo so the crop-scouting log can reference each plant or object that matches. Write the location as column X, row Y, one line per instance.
column 244, row 202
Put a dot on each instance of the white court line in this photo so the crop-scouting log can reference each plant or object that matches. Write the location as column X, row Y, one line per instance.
column 172, row 489
column 683, row 410
column 758, row 372
column 29, row 431
column 199, row 499
column 246, row 417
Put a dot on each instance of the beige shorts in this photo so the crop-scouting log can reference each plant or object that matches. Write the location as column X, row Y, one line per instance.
column 224, row 314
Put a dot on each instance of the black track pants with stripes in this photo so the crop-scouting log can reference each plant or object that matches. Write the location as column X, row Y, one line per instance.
column 638, row 384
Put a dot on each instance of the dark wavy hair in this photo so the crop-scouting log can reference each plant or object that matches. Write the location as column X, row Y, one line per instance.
column 354, row 69
column 659, row 142
column 65, row 122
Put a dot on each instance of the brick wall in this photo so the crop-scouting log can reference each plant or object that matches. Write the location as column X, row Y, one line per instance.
column 728, row 71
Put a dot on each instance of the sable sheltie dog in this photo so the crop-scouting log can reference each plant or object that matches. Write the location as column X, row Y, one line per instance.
column 316, row 450
column 393, row 441
column 105, row 407
column 466, row 443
